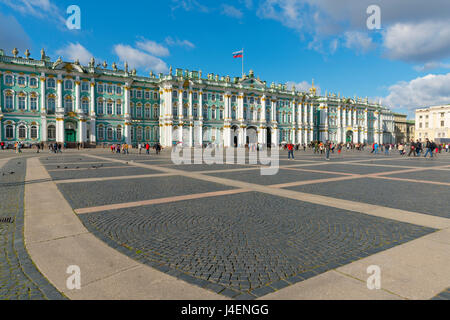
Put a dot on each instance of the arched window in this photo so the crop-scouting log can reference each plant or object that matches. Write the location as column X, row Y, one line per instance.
column 33, row 103
column 147, row 134
column 138, row 111
column 68, row 104
column 85, row 105
column 51, row 83
column 175, row 110
column 22, row 132
column 51, row 105
column 9, row 101
column 155, row 133
column 109, row 108
column 33, row 82
column 139, row 134
column 34, row 132
column 21, row 81
column 205, row 112
column 68, row 85
column 9, row 131
column 22, row 102
column 155, row 113
column 119, row 133
column 195, row 112
column 185, row 112
column 100, row 106
column 101, row 132
column 110, row 134
column 51, row 132
column 119, row 107
column 9, row 80
column 147, row 112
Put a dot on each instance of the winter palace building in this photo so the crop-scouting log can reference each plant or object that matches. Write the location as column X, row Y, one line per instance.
column 45, row 101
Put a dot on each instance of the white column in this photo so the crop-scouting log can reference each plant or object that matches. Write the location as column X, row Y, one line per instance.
column 227, row 123
column 339, row 125
column 77, row 96
column 376, row 129
column 200, row 115
column 44, row 137
column 161, row 116
column 127, row 113
column 93, row 116
column 366, row 125
column 191, row 124
column 59, row 94
column 294, row 124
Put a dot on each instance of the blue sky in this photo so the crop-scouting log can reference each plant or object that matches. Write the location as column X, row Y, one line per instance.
column 406, row 64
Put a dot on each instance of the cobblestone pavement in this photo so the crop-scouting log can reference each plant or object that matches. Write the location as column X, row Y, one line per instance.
column 19, row 278
column 249, row 244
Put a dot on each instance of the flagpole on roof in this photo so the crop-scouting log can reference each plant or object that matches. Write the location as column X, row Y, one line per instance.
column 242, row 62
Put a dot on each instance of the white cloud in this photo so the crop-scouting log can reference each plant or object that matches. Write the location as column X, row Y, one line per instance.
column 359, row 41
column 189, row 5
column 153, row 48
column 433, row 65
column 139, row 59
column 74, row 51
column 420, row 42
column 231, row 11
column 42, row 9
column 12, row 35
column 424, row 91
column 179, row 43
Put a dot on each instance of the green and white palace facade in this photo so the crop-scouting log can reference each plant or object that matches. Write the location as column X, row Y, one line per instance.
column 66, row 102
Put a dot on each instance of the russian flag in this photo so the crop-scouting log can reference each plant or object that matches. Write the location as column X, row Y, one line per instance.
column 239, row 54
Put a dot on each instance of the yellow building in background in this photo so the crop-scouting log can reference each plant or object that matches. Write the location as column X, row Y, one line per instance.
column 433, row 123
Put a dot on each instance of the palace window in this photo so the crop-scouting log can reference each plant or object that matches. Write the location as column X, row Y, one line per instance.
column 204, row 97
column 9, row 131
column 101, row 133
column 119, row 133
column 205, row 113
column 233, row 114
column 9, row 102
column 245, row 113
column 147, row 95
column 22, row 103
column 155, row 113
column 185, row 112
column 221, row 98
column 252, row 100
column 147, row 112
column 34, row 132
column 68, row 104
column 155, row 96
column 85, row 106
column 139, row 112
column 268, row 115
column 132, row 134
column 33, row 82
column 185, row 95
column 33, row 103
column 139, row 94
column 85, row 86
column 110, row 90
column 221, row 114
column 155, row 133
column 51, row 83
column 174, row 94
column 132, row 93
column 213, row 97
column 195, row 112
column 195, row 96
column 139, row 134
column 175, row 111
column 251, row 115
column 118, row 90
column 21, row 81
column 9, row 80
column 109, row 108
column 51, row 132
column 22, row 132
column 68, row 85
column 245, row 99
column 100, row 88
column 109, row 134
column 147, row 133
column 119, row 108
column 233, row 99
column 100, row 107
column 51, row 105
column 213, row 114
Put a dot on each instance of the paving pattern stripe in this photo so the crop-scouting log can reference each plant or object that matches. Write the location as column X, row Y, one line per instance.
column 144, row 176
column 411, row 180
column 385, row 212
column 320, row 171
column 158, row 201
column 87, row 169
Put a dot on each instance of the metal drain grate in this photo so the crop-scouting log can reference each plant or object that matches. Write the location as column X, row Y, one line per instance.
column 6, row 220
